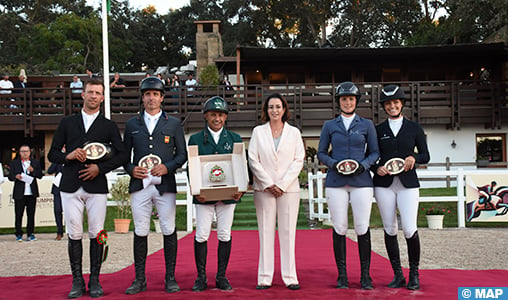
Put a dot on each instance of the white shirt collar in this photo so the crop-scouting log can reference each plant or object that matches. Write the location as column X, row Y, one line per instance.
column 216, row 135
column 149, row 117
column 88, row 119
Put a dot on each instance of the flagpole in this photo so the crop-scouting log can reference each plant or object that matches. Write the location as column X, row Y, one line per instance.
column 105, row 58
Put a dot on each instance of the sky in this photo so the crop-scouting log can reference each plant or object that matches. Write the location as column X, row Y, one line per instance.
column 162, row 6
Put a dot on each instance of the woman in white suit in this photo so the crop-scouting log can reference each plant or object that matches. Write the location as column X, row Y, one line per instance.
column 276, row 155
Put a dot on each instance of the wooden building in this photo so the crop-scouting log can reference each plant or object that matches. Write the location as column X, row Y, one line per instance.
column 459, row 93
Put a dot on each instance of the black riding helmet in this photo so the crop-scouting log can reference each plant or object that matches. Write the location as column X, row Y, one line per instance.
column 347, row 88
column 151, row 83
column 391, row 92
column 215, row 103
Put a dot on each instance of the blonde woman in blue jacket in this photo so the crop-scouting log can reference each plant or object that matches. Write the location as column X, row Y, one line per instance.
column 354, row 138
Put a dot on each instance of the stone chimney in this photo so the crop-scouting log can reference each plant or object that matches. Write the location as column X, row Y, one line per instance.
column 208, row 43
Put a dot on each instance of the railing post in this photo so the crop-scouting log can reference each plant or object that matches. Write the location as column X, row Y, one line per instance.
column 461, row 199
column 310, row 191
column 447, row 167
column 320, row 195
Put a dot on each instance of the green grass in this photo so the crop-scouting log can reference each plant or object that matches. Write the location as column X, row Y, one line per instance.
column 245, row 215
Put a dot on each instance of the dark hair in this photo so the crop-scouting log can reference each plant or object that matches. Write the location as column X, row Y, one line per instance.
column 264, row 108
column 94, row 81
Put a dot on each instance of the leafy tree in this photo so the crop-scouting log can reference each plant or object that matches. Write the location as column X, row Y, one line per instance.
column 209, row 76
column 68, row 44
column 24, row 18
column 44, row 35
column 375, row 23
column 465, row 21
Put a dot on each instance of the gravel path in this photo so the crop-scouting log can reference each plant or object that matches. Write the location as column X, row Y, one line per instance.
column 470, row 248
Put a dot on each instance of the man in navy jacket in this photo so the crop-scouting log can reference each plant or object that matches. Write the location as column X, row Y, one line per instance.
column 158, row 144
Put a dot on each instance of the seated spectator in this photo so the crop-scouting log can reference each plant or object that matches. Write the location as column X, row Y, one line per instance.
column 20, row 84
column 76, row 86
column 117, row 82
column 6, row 85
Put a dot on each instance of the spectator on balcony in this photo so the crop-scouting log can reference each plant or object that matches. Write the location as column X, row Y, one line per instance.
column 19, row 87
column 399, row 188
column 354, row 149
column 191, row 85
column 76, row 86
column 227, row 84
column 116, row 82
column 20, row 84
column 174, row 84
column 6, row 85
column 90, row 74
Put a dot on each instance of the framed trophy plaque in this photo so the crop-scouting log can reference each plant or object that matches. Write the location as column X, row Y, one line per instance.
column 218, row 176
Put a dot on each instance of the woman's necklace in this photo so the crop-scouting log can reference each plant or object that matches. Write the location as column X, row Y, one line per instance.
column 276, row 132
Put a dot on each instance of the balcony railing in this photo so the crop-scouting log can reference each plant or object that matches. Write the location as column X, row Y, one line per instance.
column 449, row 103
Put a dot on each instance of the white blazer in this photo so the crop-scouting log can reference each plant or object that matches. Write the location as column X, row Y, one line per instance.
column 281, row 166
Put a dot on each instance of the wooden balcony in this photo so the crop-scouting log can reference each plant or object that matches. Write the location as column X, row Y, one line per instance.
column 448, row 103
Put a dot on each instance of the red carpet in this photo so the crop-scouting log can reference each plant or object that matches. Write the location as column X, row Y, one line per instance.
column 315, row 266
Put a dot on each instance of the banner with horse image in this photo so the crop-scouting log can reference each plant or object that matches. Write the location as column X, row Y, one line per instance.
column 487, row 198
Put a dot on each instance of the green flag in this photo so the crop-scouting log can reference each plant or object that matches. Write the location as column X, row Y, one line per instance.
column 108, row 6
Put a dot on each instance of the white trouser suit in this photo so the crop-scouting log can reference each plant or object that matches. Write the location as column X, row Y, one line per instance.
column 276, row 166
column 284, row 210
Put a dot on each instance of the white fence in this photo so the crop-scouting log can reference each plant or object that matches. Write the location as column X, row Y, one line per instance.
column 317, row 198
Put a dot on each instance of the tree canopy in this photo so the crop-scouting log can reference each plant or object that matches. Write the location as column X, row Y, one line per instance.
column 47, row 35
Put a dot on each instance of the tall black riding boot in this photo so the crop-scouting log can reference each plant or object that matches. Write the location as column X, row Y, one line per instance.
column 170, row 249
column 94, row 285
column 200, row 252
column 339, row 249
column 413, row 253
column 223, row 252
column 392, row 247
column 140, row 251
column 75, row 249
column 364, row 249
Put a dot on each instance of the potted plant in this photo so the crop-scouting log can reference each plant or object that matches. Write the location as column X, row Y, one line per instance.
column 482, row 161
column 120, row 194
column 435, row 216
